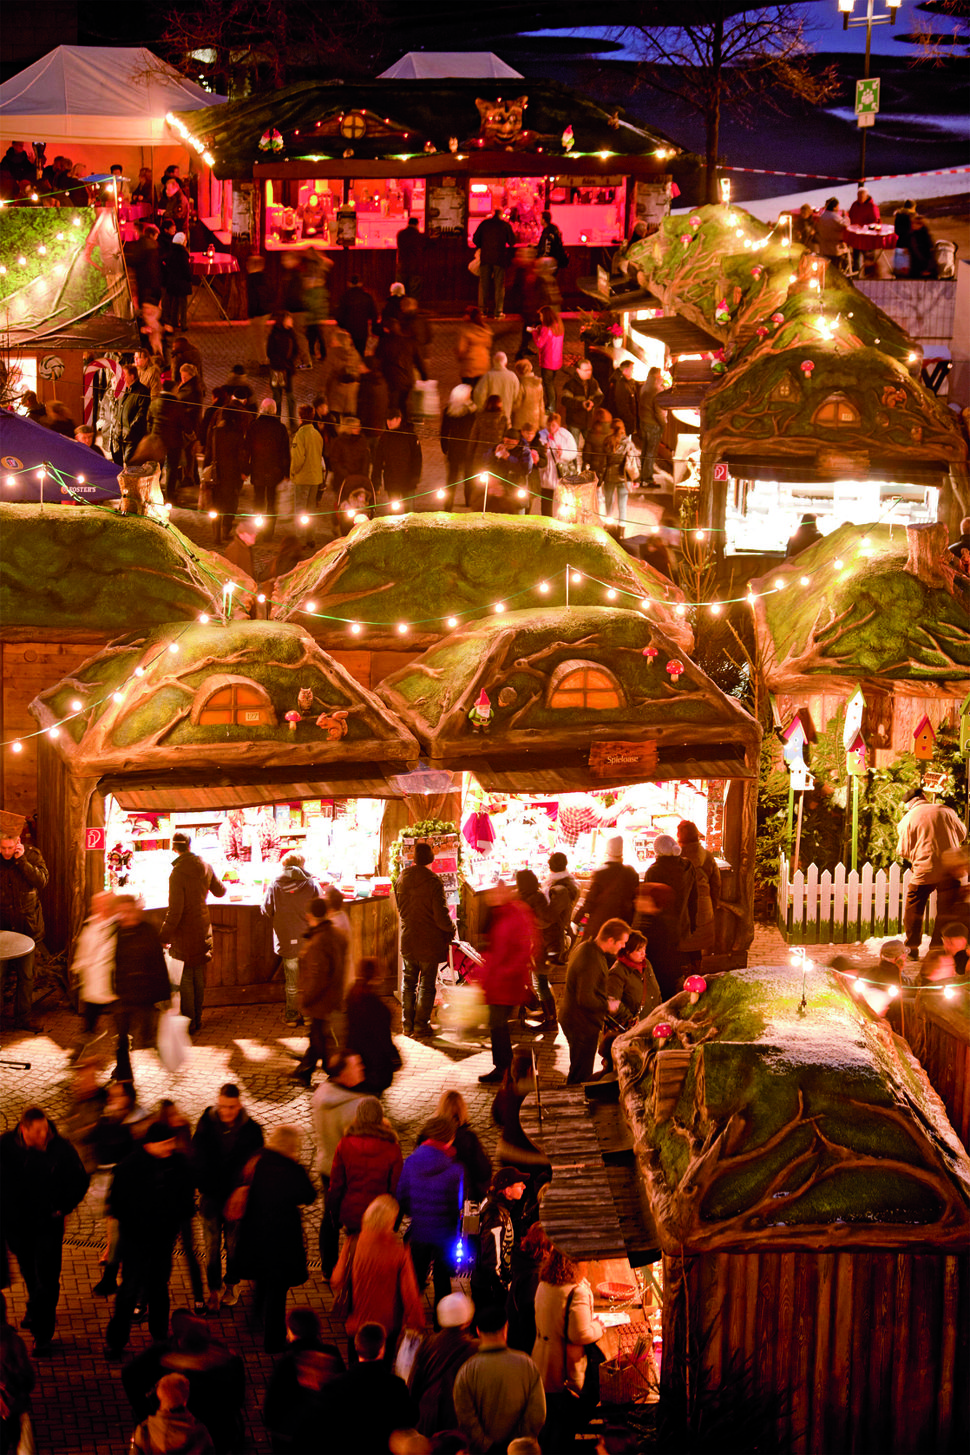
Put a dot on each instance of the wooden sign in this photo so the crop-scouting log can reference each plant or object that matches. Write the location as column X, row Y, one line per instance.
column 924, row 740
column 619, row 760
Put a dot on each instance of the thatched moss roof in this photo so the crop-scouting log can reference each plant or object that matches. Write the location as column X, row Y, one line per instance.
column 869, row 618
column 760, row 1124
column 424, row 568
column 157, row 721
column 410, row 113
column 79, row 570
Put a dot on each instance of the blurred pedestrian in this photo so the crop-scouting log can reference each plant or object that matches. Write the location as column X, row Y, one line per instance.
column 333, row 1107
column 141, row 981
column 376, row 1270
column 515, row 1147
column 257, row 309
column 652, row 423
column 438, row 1360
column 368, row 1028
column 16, row 1383
column 269, row 462
column 430, row 1190
column 612, row 891
column 299, row 1376
column 514, row 944
column 473, row 348
column 176, row 282
column 224, row 1146
column 410, row 258
column 549, row 337
column 361, row 1411
column 283, row 352
column 306, row 470
column 93, row 965
column 366, row 1164
column 320, row 986
column 707, row 884
column 475, row 1161
column 286, row 901
column 357, row 313
column 272, row 1249
column 215, row 1376
column 187, row 930
column 500, row 380
column 528, row 408
column 585, row 1000
column 457, row 423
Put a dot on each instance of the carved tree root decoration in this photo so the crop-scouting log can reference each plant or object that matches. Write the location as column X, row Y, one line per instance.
column 928, row 557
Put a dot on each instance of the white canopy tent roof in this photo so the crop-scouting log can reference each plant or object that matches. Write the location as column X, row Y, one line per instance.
column 97, row 94
column 450, row 65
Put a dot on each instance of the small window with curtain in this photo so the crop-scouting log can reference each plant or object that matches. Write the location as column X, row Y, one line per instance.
column 584, row 685
column 239, row 704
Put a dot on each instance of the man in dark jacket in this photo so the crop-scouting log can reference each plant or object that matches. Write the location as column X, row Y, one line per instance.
column 357, row 313
column 397, row 458
column 145, row 267
column 286, row 902
column 217, row 1379
column 132, row 415
column 612, row 893
column 293, row 1391
column 585, row 1000
column 323, row 952
column 580, row 396
column 426, row 932
column 400, row 359
column 368, row 1028
column 141, row 980
column 42, row 1179
column 224, row 1141
column 622, row 396
column 430, row 1190
column 410, row 257
column 165, row 417
column 495, row 241
column 437, row 1362
column 187, row 930
column 269, row 462
column 361, row 1411
column 151, row 1196
column 23, row 874
column 499, row 1230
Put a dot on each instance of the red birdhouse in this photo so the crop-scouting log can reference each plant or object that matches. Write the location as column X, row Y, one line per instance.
column 924, row 740
column 855, row 757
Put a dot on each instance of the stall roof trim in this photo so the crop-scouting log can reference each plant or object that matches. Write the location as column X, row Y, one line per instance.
column 386, row 119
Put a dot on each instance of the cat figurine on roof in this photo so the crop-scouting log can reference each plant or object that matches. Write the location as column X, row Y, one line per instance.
column 501, row 126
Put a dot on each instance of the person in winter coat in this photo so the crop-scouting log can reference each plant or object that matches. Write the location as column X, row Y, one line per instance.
column 176, row 282
column 565, row 1326
column 320, row 985
column 528, row 408
column 437, row 1362
column 520, row 1305
column 585, row 999
column 579, row 397
column 457, row 423
column 427, row 930
column 658, row 923
column 549, row 338
column 93, row 965
column 671, row 868
column 475, row 1161
column 612, row 892
column 286, row 902
column 562, row 892
column 306, row 468
column 596, row 444
column 357, row 313
column 505, row 975
column 430, row 1191
column 372, row 399
column 499, row 1400
column 226, row 444
column 500, row 380
column 515, row 1147
column 42, row 1180
column 141, row 981
column 707, row 881
column 632, row 983
column 151, row 1196
column 534, row 441
column 615, row 480
column 345, row 364
column 367, row 1162
column 23, row 874
column 283, row 351
column 474, row 347
column 508, row 467
column 269, row 462
column 165, row 440
column 271, row 1244
column 401, row 363
column 187, row 930
column 488, row 430
column 652, row 421
column 501, row 1224
column 293, row 1389
column 378, row 1268
column 397, row 458
column 349, row 453
column 173, row 1429
column 333, row 1108
column 495, row 242
column 621, row 396
column 926, row 834
column 132, row 415
column 224, row 1144
column 367, row 1029
column 216, row 1378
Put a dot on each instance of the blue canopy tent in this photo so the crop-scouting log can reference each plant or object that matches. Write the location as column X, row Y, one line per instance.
column 25, row 446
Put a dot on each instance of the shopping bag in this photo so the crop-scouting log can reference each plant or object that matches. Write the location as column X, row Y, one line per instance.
column 173, row 1039
column 463, row 1009
column 425, row 401
column 175, row 968
column 475, row 266
column 407, row 1352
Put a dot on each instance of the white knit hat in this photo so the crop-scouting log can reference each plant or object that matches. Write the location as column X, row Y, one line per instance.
column 455, row 1310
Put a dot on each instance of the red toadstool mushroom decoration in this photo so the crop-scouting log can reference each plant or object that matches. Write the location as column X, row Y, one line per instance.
column 675, row 669
column 651, row 654
column 293, row 718
column 662, row 1033
column 695, row 985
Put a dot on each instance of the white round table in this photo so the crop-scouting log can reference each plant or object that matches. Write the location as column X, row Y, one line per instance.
column 13, row 946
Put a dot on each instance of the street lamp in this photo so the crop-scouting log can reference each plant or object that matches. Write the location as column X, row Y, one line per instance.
column 870, row 19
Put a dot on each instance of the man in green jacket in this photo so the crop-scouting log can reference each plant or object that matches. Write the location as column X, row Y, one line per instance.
column 585, row 1001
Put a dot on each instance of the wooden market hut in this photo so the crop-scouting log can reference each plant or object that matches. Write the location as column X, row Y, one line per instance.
column 341, row 166
column 558, row 700
column 938, row 1029
column 190, row 716
column 881, row 612
column 812, row 1203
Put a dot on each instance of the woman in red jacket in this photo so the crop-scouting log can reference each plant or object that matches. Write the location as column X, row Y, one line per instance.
column 367, row 1162
column 376, row 1271
column 514, row 945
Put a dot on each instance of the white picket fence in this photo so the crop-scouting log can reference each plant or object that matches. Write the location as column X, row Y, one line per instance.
column 837, row 908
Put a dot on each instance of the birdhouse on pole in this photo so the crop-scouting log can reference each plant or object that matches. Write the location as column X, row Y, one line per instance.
column 856, row 754
column 854, row 712
column 795, row 739
column 924, row 740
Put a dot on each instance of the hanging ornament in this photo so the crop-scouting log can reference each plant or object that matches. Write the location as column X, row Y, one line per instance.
column 675, row 669
column 481, row 714
column 271, row 141
column 568, row 139
column 292, row 718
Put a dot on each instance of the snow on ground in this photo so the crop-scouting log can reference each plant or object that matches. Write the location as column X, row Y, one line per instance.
column 918, row 185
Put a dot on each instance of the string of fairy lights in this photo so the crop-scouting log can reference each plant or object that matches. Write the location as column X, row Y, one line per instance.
column 854, row 981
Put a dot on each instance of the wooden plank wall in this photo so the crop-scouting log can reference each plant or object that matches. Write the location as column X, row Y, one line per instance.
column 937, row 1034
column 26, row 669
column 868, row 1351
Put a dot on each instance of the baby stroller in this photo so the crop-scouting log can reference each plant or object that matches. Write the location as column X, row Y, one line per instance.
column 461, row 1004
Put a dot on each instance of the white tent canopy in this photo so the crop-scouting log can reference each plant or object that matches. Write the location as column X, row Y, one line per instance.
column 97, row 94
column 450, row 65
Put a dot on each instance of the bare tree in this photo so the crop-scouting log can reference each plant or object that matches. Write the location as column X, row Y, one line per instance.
column 944, row 34
column 244, row 44
column 713, row 60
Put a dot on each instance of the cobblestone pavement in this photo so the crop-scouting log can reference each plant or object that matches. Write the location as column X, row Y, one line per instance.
column 79, row 1403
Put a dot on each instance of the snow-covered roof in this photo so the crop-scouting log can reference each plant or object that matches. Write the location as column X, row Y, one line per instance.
column 450, row 65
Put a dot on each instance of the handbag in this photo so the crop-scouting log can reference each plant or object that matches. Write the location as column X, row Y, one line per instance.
column 475, row 266
column 343, row 1301
column 631, row 467
column 407, row 1352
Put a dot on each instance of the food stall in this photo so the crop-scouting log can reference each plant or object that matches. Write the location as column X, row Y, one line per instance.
column 246, row 735
column 342, row 166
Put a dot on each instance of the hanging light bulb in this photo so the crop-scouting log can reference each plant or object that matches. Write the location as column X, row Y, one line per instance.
column 699, row 535
column 611, row 594
column 544, row 587
column 77, row 705
column 258, row 521
column 80, row 479
column 681, row 610
column 54, row 732
column 646, row 603
column 203, row 618
column 576, row 578
column 715, row 608
column 499, row 607
column 10, row 480
column 355, row 628
column 402, row 628
column 805, row 580
column 395, row 504
column 17, row 747
column 483, row 478
column 261, row 597
column 139, row 671
column 304, row 520
column 441, row 495
column 779, row 583
column 117, row 697
column 837, row 564
column 173, row 647
column 311, row 606
column 213, row 515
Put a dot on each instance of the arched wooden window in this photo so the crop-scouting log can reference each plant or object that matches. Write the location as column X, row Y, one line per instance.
column 837, row 409
column 236, row 702
column 584, row 684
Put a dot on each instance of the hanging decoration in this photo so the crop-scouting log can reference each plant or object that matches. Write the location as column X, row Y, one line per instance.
column 271, row 141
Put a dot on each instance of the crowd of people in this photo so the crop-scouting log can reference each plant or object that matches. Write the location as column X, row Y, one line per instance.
column 28, row 179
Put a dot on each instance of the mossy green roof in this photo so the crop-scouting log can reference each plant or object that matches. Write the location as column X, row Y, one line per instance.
column 868, row 618
column 423, row 568
column 84, row 569
column 791, row 1121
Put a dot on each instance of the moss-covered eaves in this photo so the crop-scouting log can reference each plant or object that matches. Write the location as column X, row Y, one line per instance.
column 80, row 570
column 789, row 1126
column 867, row 618
column 421, row 569
column 165, row 678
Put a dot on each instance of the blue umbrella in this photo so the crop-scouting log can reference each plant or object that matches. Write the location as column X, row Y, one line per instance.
column 26, row 445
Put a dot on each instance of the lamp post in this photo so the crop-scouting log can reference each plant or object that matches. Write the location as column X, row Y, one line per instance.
column 870, row 19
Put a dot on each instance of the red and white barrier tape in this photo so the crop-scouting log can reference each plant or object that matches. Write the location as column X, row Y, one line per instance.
column 826, row 177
